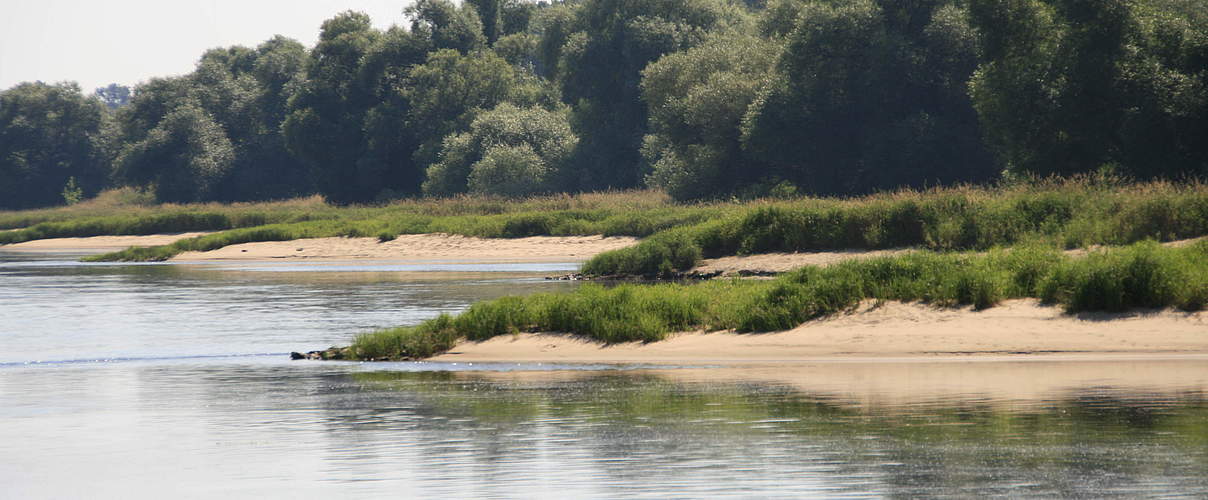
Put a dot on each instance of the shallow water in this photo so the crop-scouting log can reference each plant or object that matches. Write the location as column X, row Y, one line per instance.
column 142, row 381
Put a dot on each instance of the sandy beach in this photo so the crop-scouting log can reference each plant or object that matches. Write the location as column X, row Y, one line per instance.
column 410, row 247
column 1016, row 328
column 420, row 247
column 95, row 244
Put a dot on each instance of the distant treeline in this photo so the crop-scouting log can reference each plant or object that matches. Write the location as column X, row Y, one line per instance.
column 701, row 98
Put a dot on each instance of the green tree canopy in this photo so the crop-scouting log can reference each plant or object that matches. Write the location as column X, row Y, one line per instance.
column 49, row 133
column 697, row 99
column 182, row 158
column 600, row 71
column 870, row 95
column 1072, row 86
column 541, row 132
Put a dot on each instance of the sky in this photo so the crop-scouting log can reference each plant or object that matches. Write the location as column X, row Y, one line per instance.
column 96, row 43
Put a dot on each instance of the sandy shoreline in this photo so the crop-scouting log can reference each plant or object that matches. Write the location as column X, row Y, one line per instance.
column 410, row 248
column 1017, row 328
column 420, row 247
column 96, row 244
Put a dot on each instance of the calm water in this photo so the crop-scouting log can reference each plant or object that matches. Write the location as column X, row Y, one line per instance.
column 120, row 381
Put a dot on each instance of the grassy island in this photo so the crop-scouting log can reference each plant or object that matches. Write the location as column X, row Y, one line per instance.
column 1142, row 275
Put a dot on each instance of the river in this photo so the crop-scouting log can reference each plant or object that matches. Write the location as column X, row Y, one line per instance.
column 148, row 381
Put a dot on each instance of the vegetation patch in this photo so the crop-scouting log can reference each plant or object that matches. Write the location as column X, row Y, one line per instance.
column 1142, row 275
column 1066, row 213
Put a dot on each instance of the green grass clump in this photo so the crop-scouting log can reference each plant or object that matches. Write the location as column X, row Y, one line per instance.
column 1068, row 213
column 660, row 255
column 1143, row 275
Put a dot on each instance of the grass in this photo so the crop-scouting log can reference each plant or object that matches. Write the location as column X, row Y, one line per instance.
column 630, row 213
column 1067, row 213
column 1142, row 275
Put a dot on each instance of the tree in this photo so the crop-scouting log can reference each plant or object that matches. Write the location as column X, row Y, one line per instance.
column 697, row 99
column 448, row 91
column 600, row 70
column 871, row 96
column 1073, row 86
column 244, row 92
column 49, row 135
column 182, row 158
column 509, row 171
column 326, row 115
column 518, row 133
column 447, row 26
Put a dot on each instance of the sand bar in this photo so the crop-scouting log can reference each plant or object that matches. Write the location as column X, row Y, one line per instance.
column 885, row 332
column 96, row 244
column 420, row 247
column 409, row 248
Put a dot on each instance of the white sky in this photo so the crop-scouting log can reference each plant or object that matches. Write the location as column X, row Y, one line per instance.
column 100, row 42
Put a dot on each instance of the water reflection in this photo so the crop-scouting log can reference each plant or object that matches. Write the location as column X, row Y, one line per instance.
column 344, row 428
column 649, row 433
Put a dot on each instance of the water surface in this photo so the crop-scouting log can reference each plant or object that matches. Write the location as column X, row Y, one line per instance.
column 144, row 381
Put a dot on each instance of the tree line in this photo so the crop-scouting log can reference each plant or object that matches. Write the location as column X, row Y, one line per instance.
column 701, row 98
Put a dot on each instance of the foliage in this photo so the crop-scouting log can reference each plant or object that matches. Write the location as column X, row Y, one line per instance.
column 599, row 72
column 1069, row 214
column 697, row 99
column 870, row 95
column 182, row 158
column 509, row 171
column 545, row 134
column 72, row 193
column 49, row 134
column 705, row 99
column 1071, row 86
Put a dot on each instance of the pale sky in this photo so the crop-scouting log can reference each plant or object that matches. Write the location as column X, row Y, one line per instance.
column 100, row 42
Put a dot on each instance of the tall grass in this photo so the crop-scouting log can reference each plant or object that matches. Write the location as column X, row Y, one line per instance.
column 1143, row 275
column 629, row 213
column 1069, row 213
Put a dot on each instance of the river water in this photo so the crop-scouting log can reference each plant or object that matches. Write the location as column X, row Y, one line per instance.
column 147, row 381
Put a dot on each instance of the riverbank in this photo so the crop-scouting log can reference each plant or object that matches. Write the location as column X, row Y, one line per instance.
column 425, row 247
column 411, row 247
column 1015, row 329
column 96, row 244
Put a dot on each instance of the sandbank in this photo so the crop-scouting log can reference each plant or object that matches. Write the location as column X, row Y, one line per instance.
column 885, row 331
column 419, row 247
column 96, row 244
column 406, row 248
